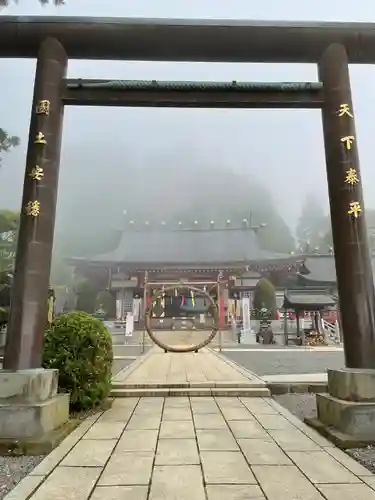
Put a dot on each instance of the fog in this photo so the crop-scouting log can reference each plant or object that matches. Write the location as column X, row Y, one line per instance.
column 122, row 164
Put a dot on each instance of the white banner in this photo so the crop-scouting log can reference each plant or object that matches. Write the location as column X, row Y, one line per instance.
column 129, row 327
column 136, row 309
column 246, row 314
column 118, row 308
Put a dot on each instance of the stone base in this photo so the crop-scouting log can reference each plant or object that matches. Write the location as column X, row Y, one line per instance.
column 21, row 421
column 37, row 446
column 28, row 386
column 346, row 415
column 352, row 384
column 30, row 407
column 338, row 438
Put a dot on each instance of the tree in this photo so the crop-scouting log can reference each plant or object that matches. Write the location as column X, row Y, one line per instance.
column 86, row 295
column 312, row 224
column 9, row 222
column 7, row 142
column 5, row 3
column 264, row 301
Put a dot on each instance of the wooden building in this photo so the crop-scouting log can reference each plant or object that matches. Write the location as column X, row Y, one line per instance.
column 226, row 255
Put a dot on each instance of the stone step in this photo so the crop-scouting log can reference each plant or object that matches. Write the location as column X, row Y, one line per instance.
column 258, row 392
column 188, row 385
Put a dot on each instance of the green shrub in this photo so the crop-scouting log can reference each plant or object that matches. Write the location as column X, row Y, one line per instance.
column 80, row 347
column 264, row 298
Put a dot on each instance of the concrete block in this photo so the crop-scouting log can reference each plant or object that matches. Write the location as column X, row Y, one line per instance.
column 24, row 421
column 355, row 419
column 28, row 386
column 352, row 384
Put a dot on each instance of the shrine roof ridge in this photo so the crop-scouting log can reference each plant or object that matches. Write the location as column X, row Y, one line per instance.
column 201, row 40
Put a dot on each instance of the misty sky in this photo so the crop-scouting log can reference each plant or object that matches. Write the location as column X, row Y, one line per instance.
column 280, row 147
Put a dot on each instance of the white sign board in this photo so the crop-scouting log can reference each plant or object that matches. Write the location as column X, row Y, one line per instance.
column 129, row 327
column 246, row 314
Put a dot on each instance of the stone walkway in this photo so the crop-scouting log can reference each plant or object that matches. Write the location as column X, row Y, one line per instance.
column 195, row 448
column 203, row 369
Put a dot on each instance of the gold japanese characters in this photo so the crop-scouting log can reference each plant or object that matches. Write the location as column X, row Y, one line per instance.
column 354, row 209
column 40, row 138
column 33, row 207
column 36, row 173
column 344, row 110
column 348, row 141
column 351, row 175
column 43, row 107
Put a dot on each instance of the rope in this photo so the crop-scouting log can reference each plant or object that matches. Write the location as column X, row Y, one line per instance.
column 148, row 85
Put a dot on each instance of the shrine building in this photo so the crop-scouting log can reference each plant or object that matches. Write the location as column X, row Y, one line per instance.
column 226, row 254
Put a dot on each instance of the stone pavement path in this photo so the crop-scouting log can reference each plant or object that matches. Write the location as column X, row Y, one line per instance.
column 203, row 369
column 198, row 448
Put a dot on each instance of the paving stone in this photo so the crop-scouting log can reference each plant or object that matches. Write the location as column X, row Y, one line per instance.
column 141, row 422
column 177, row 483
column 234, row 492
column 116, row 415
column 138, row 440
column 226, row 467
column 24, row 488
column 204, row 405
column 105, row 430
column 275, row 422
column 67, row 483
column 370, row 480
column 216, row 440
column 236, row 413
column 285, row 483
column 228, row 402
column 177, row 429
column 320, row 467
column 315, row 436
column 177, row 452
column 129, row 403
column 263, row 452
column 293, row 440
column 120, row 493
column 177, row 402
column 347, row 492
column 90, row 453
column 248, row 429
column 55, row 457
column 177, row 414
column 132, row 468
column 209, row 421
column 258, row 406
column 148, row 410
column 349, row 462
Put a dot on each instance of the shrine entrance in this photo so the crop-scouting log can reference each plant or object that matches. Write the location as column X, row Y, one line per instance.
column 53, row 40
column 189, row 333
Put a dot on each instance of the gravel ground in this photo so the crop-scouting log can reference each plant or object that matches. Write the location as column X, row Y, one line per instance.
column 303, row 405
column 13, row 469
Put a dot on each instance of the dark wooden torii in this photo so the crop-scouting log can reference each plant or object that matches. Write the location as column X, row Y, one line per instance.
column 53, row 40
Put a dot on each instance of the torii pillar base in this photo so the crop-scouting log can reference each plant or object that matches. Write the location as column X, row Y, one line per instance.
column 34, row 418
column 346, row 415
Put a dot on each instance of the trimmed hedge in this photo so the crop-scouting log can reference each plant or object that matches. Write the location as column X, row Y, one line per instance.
column 80, row 347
